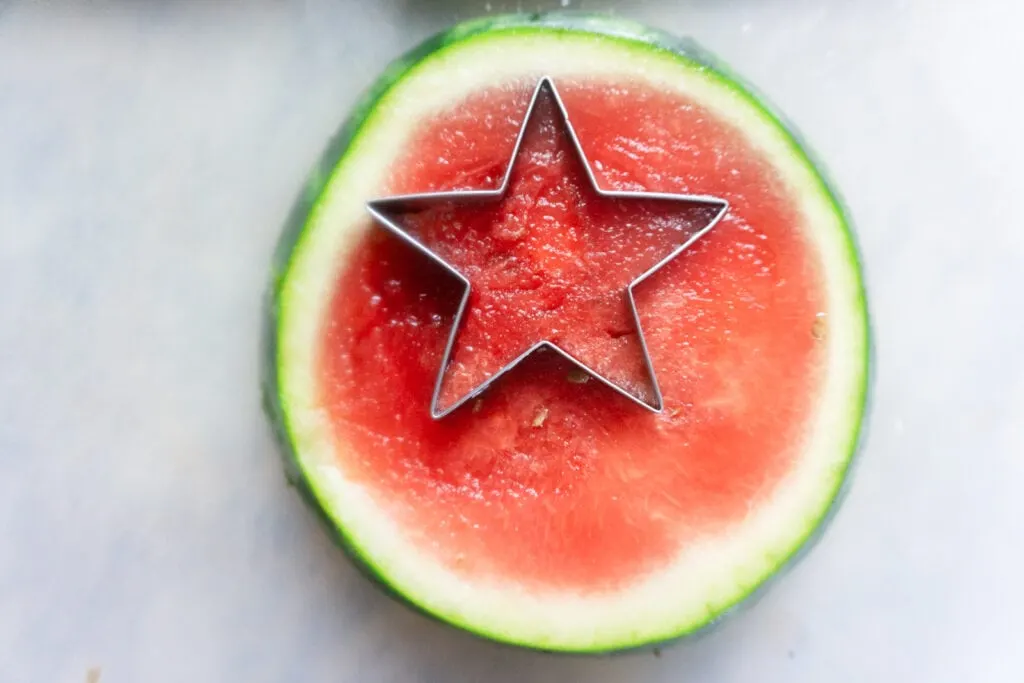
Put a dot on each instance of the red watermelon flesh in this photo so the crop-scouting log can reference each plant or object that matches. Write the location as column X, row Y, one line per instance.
column 552, row 261
column 545, row 480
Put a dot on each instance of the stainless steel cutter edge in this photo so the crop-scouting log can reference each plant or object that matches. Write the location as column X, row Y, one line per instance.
column 380, row 208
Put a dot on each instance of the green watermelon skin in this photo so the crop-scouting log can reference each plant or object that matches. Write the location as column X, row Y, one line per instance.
column 620, row 29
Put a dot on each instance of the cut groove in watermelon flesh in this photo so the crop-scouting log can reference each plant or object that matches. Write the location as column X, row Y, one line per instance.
column 545, row 482
column 551, row 260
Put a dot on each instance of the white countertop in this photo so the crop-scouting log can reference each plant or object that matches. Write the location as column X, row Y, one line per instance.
column 149, row 153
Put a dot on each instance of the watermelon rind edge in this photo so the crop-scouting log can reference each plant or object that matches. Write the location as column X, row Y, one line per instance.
column 312, row 191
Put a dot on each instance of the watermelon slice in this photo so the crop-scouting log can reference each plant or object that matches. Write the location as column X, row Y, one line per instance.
column 549, row 511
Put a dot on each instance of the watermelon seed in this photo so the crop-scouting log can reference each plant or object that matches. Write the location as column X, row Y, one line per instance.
column 819, row 330
column 477, row 405
column 578, row 376
column 538, row 419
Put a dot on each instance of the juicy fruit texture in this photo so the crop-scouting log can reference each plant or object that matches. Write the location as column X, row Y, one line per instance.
column 551, row 261
column 547, row 482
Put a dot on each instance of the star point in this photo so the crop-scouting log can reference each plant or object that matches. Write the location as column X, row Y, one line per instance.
column 544, row 256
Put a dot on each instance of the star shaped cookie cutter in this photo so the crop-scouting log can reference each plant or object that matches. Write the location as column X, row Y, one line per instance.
column 380, row 209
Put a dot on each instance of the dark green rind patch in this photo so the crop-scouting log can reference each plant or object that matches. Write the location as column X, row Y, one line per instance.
column 312, row 193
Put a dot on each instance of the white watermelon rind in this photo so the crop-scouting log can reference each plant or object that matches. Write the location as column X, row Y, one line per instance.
column 328, row 220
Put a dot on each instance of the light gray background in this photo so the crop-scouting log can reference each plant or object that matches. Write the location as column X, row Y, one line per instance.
column 149, row 152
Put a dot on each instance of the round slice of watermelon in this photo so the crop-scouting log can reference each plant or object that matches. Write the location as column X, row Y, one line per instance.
column 550, row 511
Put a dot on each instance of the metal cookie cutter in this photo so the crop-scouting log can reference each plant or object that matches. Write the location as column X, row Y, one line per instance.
column 382, row 209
